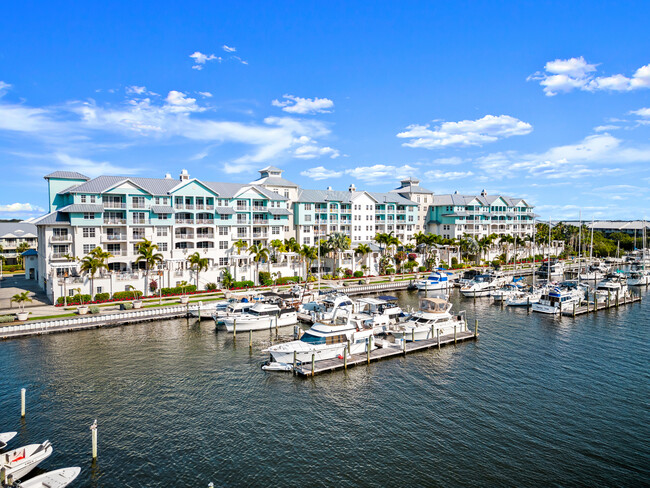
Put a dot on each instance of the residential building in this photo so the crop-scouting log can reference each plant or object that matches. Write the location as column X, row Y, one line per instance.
column 411, row 190
column 454, row 216
column 12, row 235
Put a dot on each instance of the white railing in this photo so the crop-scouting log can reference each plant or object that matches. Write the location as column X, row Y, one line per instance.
column 114, row 205
column 65, row 238
column 184, row 221
column 58, row 255
column 205, row 221
column 114, row 221
column 113, row 237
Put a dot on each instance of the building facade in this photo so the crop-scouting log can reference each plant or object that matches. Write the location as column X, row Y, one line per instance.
column 13, row 235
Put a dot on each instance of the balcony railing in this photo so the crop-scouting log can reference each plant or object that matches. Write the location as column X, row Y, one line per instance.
column 184, row 236
column 244, row 208
column 119, row 252
column 243, row 221
column 205, row 221
column 184, row 221
column 236, row 237
column 58, row 256
column 260, row 234
column 260, row 208
column 114, row 221
column 140, row 206
column 114, row 205
column 65, row 238
column 127, row 276
column 113, row 237
column 141, row 221
column 205, row 236
column 260, row 222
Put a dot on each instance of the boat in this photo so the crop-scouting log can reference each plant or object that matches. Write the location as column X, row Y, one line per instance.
column 262, row 316
column 525, row 298
column 5, row 437
column 595, row 271
column 640, row 277
column 380, row 312
column 483, row 285
column 614, row 284
column 21, row 461
column 550, row 268
column 433, row 317
column 438, row 280
column 467, row 277
column 510, row 290
column 58, row 478
column 232, row 309
column 325, row 340
column 558, row 298
column 275, row 366
column 323, row 308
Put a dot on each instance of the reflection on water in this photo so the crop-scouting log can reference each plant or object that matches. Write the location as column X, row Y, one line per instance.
column 538, row 400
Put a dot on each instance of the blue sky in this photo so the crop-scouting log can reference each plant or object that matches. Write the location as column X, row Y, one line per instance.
column 545, row 100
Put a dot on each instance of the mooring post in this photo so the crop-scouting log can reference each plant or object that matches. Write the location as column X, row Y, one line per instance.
column 250, row 339
column 3, row 475
column 200, row 310
column 22, row 402
column 432, row 331
column 413, row 334
column 527, row 305
column 608, row 298
column 475, row 328
column 313, row 362
column 93, row 430
column 368, row 350
column 574, row 310
column 404, row 344
column 616, row 298
column 346, row 351
column 438, row 332
column 295, row 361
column 234, row 329
column 475, row 295
column 276, row 326
column 454, row 334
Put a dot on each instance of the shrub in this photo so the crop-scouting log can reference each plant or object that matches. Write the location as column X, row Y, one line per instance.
column 327, row 277
column 348, row 272
column 422, row 268
column 102, row 297
column 153, row 285
column 311, row 279
column 265, row 278
column 288, row 279
column 127, row 295
column 454, row 261
column 126, row 306
column 178, row 290
column 358, row 274
column 243, row 284
column 390, row 271
column 94, row 309
column 12, row 267
column 411, row 257
column 211, row 286
column 6, row 318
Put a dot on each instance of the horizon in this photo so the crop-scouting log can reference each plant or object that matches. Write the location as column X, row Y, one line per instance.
column 461, row 97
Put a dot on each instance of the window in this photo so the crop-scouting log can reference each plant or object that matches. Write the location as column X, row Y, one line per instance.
column 138, row 218
column 161, row 231
column 286, row 228
column 306, row 228
column 83, row 198
column 223, row 231
column 162, row 246
column 286, row 193
column 223, row 261
column 307, row 206
column 138, row 233
column 138, row 202
column 224, row 217
column 276, row 217
column 89, row 216
column 223, row 244
column 89, row 247
column 163, row 216
column 275, row 231
column 87, row 231
column 307, row 218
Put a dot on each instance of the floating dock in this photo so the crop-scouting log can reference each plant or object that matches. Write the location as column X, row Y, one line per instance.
column 329, row 365
column 612, row 302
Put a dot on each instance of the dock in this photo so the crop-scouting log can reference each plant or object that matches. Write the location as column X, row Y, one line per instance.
column 589, row 307
column 329, row 365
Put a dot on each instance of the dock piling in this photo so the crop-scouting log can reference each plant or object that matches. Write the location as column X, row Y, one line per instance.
column 404, row 344
column 199, row 309
column 475, row 327
column 574, row 310
column 454, row 335
column 250, row 339
column 22, row 402
column 346, row 351
column 295, row 361
column 313, row 362
column 93, row 430
column 438, row 339
column 616, row 298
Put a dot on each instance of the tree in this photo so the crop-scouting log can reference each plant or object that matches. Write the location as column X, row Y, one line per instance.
column 338, row 242
column 20, row 249
column 309, row 254
column 226, row 279
column 364, row 251
column 198, row 264
column 93, row 262
column 21, row 299
column 278, row 247
column 147, row 254
column 399, row 258
column 259, row 253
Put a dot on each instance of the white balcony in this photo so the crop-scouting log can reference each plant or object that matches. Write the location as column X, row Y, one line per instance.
column 205, row 221
column 58, row 256
column 184, row 236
column 114, row 205
column 114, row 221
column 61, row 238
column 184, row 221
column 113, row 237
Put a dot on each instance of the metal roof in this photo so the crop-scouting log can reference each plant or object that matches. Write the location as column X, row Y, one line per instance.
column 17, row 229
column 322, row 196
column 278, row 211
column 274, row 181
column 52, row 218
column 82, row 207
column 67, row 175
column 30, row 252
column 162, row 209
column 224, row 210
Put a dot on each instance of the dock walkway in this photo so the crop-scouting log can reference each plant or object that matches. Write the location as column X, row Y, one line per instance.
column 328, row 365
column 613, row 302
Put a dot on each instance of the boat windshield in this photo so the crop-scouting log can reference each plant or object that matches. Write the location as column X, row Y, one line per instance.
column 312, row 339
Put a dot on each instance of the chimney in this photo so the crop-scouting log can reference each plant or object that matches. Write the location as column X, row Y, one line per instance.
column 352, row 188
column 329, row 188
column 184, row 176
column 168, row 176
column 483, row 193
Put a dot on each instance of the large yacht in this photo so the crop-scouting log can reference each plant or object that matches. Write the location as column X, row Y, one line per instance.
column 262, row 316
column 556, row 299
column 380, row 312
column 556, row 269
column 612, row 285
column 325, row 340
column 483, row 285
column 438, row 280
column 434, row 315
column 323, row 307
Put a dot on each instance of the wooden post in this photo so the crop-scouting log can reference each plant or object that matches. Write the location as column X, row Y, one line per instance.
column 413, row 334
column 200, row 310
column 438, row 339
column 3, row 475
column 276, row 326
column 93, row 430
column 22, row 402
column 432, row 332
column 346, row 351
column 475, row 328
column 234, row 329
column 474, row 295
column 295, row 361
column 616, row 298
column 574, row 310
column 609, row 298
column 250, row 339
column 454, row 334
column 313, row 362
column 368, row 350
column 404, row 343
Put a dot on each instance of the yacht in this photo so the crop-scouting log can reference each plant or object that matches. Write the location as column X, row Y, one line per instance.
column 21, row 461
column 510, row 290
column 380, row 312
column 467, row 277
column 610, row 286
column 262, row 316
column 594, row 272
column 438, row 280
column 232, row 309
column 5, row 437
column 525, row 298
column 483, row 285
column 556, row 299
column 556, row 269
column 323, row 309
column 325, row 340
column 432, row 317
column 638, row 277
column 59, row 478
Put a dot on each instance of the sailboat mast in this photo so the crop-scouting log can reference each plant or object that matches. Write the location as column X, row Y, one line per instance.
column 319, row 270
column 591, row 250
column 549, row 250
column 534, row 233
column 579, row 243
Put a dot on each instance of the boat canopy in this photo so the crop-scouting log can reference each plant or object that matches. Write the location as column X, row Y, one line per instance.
column 433, row 304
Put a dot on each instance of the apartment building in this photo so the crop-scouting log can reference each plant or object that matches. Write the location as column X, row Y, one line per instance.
column 454, row 216
column 181, row 216
column 411, row 190
column 12, row 235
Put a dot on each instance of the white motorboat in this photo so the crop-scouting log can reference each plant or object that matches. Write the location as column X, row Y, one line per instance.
column 556, row 269
column 467, row 277
column 233, row 309
column 208, row 309
column 557, row 299
column 639, row 278
column 323, row 308
column 380, row 312
column 21, row 461
column 614, row 284
column 510, row 290
column 262, row 316
column 483, row 285
column 595, row 271
column 432, row 317
column 525, row 298
column 438, row 280
column 325, row 341
column 59, row 478
column 5, row 437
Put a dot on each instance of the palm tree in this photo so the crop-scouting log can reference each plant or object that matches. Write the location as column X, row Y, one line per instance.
column 198, row 264
column 21, row 299
column 91, row 264
column 338, row 242
column 259, row 253
column 504, row 242
column 147, row 253
column 278, row 247
column 20, row 249
column 308, row 253
column 363, row 250
column 226, row 279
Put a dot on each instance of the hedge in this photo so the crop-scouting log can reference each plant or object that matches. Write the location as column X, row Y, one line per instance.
column 127, row 295
column 102, row 297
column 422, row 268
column 94, row 309
column 178, row 290
column 10, row 268
column 211, row 287
column 74, row 300
column 6, row 318
column 358, row 274
column 242, row 284
column 265, row 277
column 288, row 279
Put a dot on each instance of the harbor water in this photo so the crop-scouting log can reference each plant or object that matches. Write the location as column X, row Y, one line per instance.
column 536, row 401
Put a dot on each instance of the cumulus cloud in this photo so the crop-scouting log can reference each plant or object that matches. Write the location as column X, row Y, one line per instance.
column 200, row 59
column 321, row 173
column 465, row 132
column 229, row 49
column 20, row 208
column 137, row 90
column 566, row 75
column 642, row 112
column 447, row 175
column 92, row 168
column 205, row 94
column 298, row 105
column 380, row 173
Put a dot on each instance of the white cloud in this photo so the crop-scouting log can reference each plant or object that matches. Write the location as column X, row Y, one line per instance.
column 321, row 173
column 205, row 94
column 447, row 175
column 200, row 59
column 298, row 105
column 180, row 102
column 310, row 152
column 229, row 49
column 642, row 112
column 3, row 88
column 605, row 128
column 565, row 75
column 92, row 168
column 137, row 90
column 380, row 173
column 20, row 207
column 465, row 132
column 449, row 161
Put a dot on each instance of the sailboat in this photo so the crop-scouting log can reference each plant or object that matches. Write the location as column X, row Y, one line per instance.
column 640, row 276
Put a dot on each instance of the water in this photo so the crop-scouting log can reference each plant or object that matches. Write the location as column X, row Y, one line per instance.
column 536, row 401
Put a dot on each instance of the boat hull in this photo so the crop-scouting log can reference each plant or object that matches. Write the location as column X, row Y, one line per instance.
column 423, row 333
column 320, row 353
column 261, row 323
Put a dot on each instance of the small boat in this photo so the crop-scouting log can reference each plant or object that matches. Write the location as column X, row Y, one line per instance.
column 510, row 290
column 483, row 285
column 275, row 366
column 262, row 316
column 556, row 269
column 21, row 461
column 5, row 437
column 380, row 312
column 52, row 479
column 557, row 299
column 432, row 318
column 614, row 284
column 639, row 278
column 323, row 309
column 525, row 298
column 438, row 280
column 467, row 277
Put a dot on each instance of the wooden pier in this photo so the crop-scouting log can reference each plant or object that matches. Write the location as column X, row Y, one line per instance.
column 329, row 365
column 593, row 307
